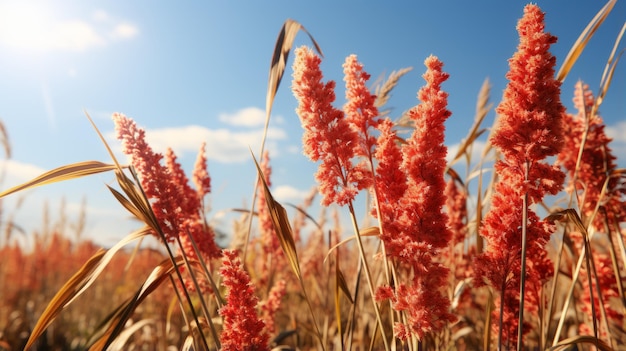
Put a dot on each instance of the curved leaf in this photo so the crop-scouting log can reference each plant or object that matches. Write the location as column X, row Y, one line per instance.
column 74, row 170
column 77, row 284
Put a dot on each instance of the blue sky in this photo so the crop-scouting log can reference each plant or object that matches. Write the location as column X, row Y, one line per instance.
column 197, row 71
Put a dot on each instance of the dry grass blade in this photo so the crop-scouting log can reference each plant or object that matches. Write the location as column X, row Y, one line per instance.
column 341, row 282
column 609, row 70
column 483, row 106
column 583, row 39
column 282, row 228
column 567, row 344
column 454, row 175
column 127, row 204
column 65, row 294
column 305, row 214
column 4, row 140
column 569, row 215
column 283, row 46
column 93, row 124
column 141, row 207
column 383, row 91
column 370, row 231
column 611, row 61
column 487, row 332
column 116, row 322
column 338, row 277
column 72, row 171
column 122, row 339
column 77, row 284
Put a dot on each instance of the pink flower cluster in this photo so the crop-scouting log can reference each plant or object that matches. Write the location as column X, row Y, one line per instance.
column 410, row 185
column 408, row 180
column 243, row 329
column 529, row 129
column 176, row 205
column 328, row 136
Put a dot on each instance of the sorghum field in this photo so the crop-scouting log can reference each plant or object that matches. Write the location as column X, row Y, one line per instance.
column 530, row 256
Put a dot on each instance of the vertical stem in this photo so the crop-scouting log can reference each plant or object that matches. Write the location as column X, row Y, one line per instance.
column 501, row 320
column 557, row 265
column 522, row 288
column 203, row 304
column 568, row 297
column 368, row 275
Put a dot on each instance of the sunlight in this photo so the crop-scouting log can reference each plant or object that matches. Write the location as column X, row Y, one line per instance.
column 24, row 26
column 34, row 27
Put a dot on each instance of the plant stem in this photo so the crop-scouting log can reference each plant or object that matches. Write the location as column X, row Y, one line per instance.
column 522, row 288
column 368, row 275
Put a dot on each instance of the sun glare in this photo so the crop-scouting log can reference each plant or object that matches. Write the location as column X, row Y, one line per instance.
column 35, row 27
column 24, row 26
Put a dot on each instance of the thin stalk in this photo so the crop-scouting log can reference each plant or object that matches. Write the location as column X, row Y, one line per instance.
column 557, row 273
column 622, row 248
column 568, row 298
column 541, row 316
column 368, row 274
column 522, row 288
column 357, row 286
column 218, row 298
column 205, row 309
column 618, row 277
column 308, row 302
column 501, row 318
column 182, row 308
column 370, row 159
column 381, row 230
column 590, row 267
column 487, row 328
column 170, row 255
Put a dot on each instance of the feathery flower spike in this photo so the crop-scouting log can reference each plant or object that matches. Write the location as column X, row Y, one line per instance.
column 243, row 329
column 528, row 130
column 327, row 137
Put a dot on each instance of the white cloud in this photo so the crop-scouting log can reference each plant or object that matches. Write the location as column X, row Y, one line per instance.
column 294, row 149
column 287, row 193
column 246, row 117
column 35, row 27
column 100, row 16
column 125, row 31
column 222, row 145
column 73, row 35
column 617, row 132
column 477, row 150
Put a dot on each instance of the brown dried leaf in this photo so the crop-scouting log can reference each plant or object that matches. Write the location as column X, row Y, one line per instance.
column 65, row 294
column 284, row 44
column 116, row 322
column 282, row 228
column 341, row 282
column 568, row 343
column 72, row 171
column 77, row 284
column 569, row 215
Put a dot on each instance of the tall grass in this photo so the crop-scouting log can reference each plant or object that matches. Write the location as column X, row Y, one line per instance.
column 309, row 283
